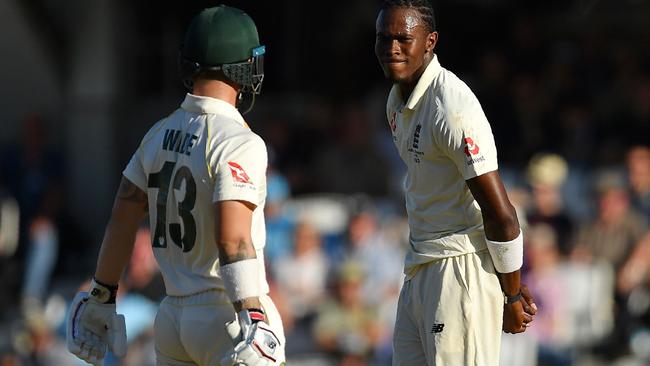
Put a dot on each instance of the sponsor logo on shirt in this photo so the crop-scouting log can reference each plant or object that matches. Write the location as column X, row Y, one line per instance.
column 471, row 150
column 238, row 173
column 470, row 147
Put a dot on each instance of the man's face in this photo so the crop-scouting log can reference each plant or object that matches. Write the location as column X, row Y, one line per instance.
column 402, row 45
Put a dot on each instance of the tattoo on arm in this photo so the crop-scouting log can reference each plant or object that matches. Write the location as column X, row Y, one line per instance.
column 243, row 250
column 130, row 192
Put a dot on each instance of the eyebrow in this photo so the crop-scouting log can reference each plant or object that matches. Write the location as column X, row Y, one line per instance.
column 395, row 35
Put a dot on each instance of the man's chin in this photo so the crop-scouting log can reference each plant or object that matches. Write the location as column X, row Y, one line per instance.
column 395, row 78
column 392, row 76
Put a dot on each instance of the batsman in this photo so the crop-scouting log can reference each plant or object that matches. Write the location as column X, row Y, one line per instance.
column 199, row 174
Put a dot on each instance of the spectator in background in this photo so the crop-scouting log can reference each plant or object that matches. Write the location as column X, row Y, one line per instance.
column 611, row 236
column 299, row 287
column 635, row 273
column 380, row 259
column 602, row 248
column 638, row 168
column 346, row 325
column 9, row 268
column 34, row 174
column 633, row 287
column 302, row 276
column 142, row 275
column 546, row 173
column 279, row 226
column 545, row 278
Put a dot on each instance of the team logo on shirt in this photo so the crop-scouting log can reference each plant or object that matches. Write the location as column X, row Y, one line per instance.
column 416, row 136
column 471, row 148
column 238, row 173
column 392, row 123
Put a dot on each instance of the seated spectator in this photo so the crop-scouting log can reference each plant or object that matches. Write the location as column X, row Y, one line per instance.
column 638, row 168
column 346, row 326
column 298, row 285
column 546, row 280
column 546, row 174
column 575, row 299
column 382, row 260
column 302, row 275
column 617, row 227
column 635, row 273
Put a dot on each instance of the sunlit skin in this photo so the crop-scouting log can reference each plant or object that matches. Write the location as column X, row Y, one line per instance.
column 403, row 46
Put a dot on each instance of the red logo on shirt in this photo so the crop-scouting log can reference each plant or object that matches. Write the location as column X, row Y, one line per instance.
column 393, row 125
column 238, row 173
column 470, row 148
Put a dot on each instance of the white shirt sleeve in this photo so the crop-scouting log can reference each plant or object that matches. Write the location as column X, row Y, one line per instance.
column 466, row 137
column 134, row 171
column 241, row 172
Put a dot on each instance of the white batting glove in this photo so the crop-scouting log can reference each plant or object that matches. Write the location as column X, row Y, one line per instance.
column 93, row 325
column 254, row 340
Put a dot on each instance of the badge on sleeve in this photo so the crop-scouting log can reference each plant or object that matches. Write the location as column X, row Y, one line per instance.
column 472, row 152
column 238, row 173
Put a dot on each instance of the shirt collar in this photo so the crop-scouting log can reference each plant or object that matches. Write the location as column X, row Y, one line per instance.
column 207, row 105
column 430, row 73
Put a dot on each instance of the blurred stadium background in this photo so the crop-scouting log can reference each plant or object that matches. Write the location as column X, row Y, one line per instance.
column 565, row 84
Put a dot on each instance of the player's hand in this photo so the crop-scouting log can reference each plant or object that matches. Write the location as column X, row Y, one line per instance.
column 93, row 327
column 254, row 340
column 529, row 303
column 515, row 318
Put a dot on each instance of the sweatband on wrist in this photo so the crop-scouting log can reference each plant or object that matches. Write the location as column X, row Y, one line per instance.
column 103, row 293
column 241, row 279
column 508, row 256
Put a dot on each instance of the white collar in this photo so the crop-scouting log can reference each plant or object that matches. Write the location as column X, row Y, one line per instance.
column 202, row 105
column 430, row 73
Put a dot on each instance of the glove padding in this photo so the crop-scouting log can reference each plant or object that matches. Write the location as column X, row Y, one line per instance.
column 92, row 327
column 255, row 343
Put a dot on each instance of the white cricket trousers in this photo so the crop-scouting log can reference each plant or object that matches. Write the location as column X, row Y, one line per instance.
column 189, row 330
column 450, row 313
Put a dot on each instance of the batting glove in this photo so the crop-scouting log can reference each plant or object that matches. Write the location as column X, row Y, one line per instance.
column 254, row 340
column 93, row 325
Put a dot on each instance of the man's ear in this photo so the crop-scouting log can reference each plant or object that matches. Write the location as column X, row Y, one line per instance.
column 432, row 40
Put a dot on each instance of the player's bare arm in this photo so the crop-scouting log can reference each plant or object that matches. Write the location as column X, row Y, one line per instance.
column 501, row 225
column 130, row 192
column 129, row 208
column 233, row 237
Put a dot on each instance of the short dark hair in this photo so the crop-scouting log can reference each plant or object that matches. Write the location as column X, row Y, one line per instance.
column 422, row 6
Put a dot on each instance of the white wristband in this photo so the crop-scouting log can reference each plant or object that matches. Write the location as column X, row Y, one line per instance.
column 241, row 279
column 508, row 256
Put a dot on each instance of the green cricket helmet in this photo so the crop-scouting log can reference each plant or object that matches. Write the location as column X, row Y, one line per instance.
column 223, row 38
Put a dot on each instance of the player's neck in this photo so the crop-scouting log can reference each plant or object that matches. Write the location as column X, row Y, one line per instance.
column 407, row 87
column 215, row 89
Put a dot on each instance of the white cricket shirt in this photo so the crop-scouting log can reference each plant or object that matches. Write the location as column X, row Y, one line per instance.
column 202, row 153
column 444, row 138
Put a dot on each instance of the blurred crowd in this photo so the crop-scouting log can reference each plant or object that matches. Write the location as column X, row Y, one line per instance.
column 571, row 116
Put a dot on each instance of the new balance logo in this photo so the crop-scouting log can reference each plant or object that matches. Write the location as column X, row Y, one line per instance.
column 437, row 327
